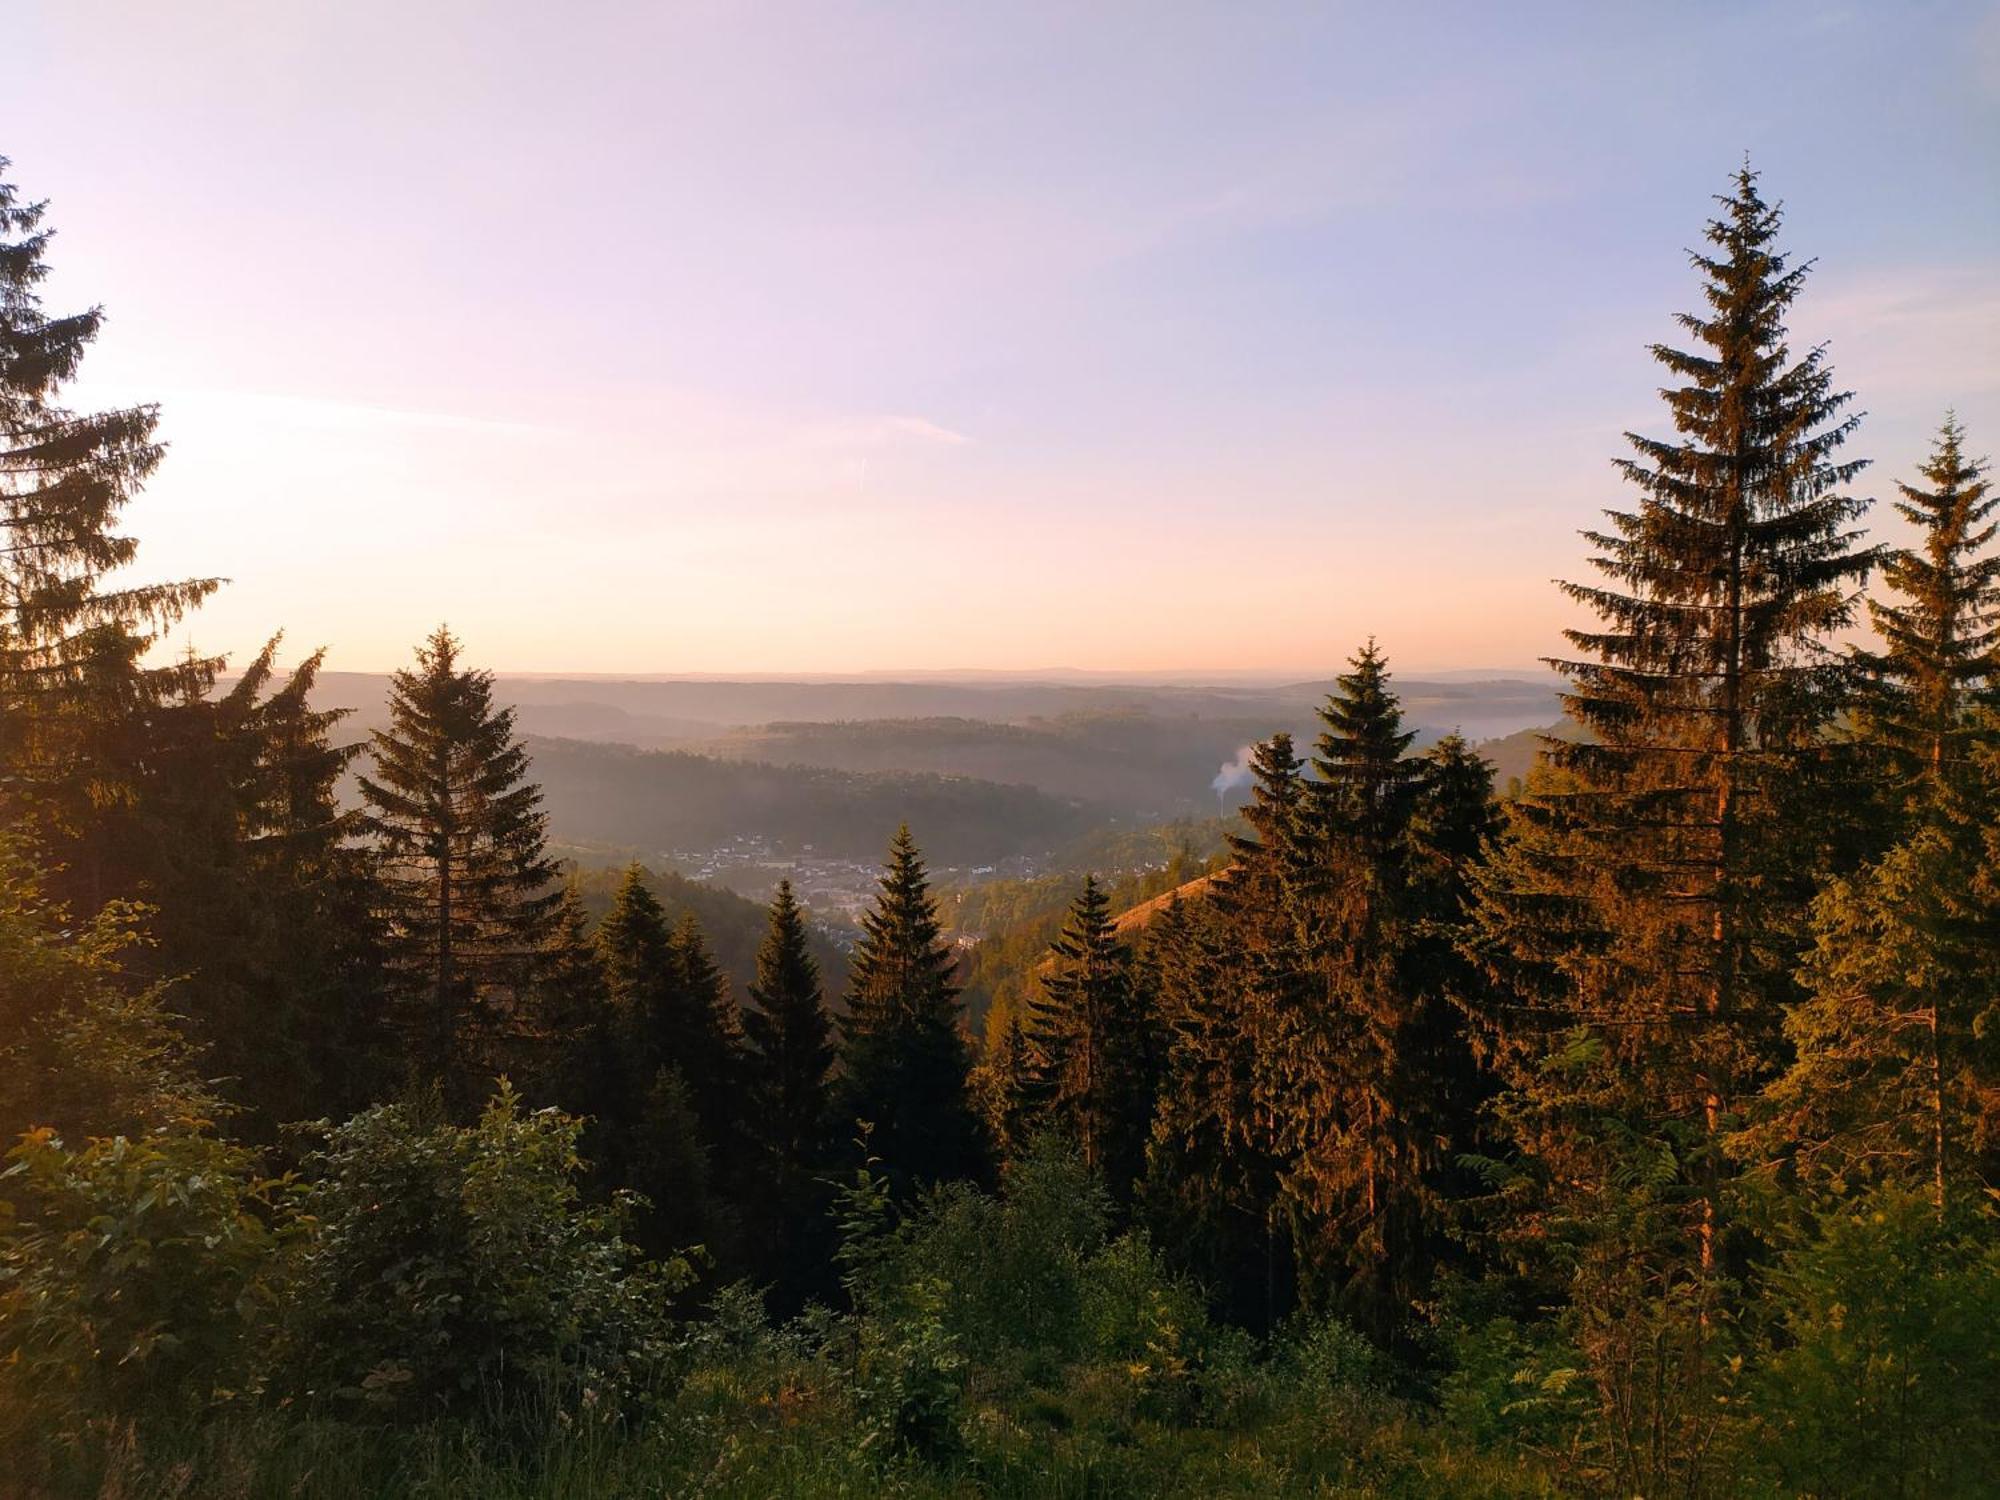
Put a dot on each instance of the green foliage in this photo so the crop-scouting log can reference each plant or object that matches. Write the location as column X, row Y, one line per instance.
column 85, row 1050
column 455, row 1269
column 905, row 1064
column 1886, row 1375
column 465, row 878
column 76, row 697
column 909, row 1378
column 136, row 1273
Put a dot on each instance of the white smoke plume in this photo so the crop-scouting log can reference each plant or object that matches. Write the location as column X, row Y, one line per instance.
column 1234, row 773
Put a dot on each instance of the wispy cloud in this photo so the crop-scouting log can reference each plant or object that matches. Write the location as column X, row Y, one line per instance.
column 1915, row 333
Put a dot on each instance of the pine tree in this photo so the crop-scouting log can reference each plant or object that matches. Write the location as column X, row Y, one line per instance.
column 293, row 995
column 636, row 948
column 1651, row 899
column 1092, row 1036
column 1340, row 1081
column 1006, row 1084
column 465, row 872
column 79, row 707
column 1212, row 1190
column 905, row 1066
column 576, row 1023
column 1895, row 1072
column 1937, row 661
column 789, row 1037
column 790, row 1040
column 711, row 1051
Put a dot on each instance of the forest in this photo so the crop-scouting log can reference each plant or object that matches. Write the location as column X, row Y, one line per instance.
column 1630, row 1129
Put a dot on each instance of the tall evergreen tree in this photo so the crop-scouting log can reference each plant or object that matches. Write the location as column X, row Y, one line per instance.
column 1937, row 660
column 711, row 1051
column 1092, row 1031
column 905, row 1065
column 789, row 1036
column 466, row 877
column 79, row 706
column 265, row 900
column 576, row 1024
column 1652, row 898
column 790, row 1040
column 1342, row 1081
column 1212, row 1191
column 1896, row 1072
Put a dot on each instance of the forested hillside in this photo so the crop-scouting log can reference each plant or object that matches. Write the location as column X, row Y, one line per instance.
column 1636, row 1134
column 668, row 800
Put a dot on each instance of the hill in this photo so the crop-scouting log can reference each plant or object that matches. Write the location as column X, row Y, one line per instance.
column 734, row 925
column 669, row 802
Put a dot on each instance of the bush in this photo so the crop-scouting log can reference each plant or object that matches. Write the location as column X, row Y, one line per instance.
column 1890, row 1373
column 455, row 1270
column 136, row 1274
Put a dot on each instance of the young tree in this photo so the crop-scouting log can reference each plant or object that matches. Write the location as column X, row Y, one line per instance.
column 905, row 1066
column 78, row 705
column 83, row 1050
column 1937, row 662
column 1895, row 1074
column 467, row 881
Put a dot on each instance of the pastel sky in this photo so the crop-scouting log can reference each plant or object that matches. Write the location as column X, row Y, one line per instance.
column 828, row 337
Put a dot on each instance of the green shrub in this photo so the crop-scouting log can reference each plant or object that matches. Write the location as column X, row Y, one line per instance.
column 456, row 1270
column 1889, row 1375
column 136, row 1274
column 909, row 1379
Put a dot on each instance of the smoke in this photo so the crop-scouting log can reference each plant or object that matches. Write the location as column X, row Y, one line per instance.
column 1233, row 774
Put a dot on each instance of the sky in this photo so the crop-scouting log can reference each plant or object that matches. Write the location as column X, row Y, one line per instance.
column 829, row 337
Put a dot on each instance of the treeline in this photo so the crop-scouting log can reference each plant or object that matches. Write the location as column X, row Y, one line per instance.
column 1634, row 1135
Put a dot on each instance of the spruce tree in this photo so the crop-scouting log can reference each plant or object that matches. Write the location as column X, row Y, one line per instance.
column 1341, row 1079
column 1936, row 665
column 790, row 1042
column 710, row 1050
column 1212, row 1191
column 1007, row 1086
column 1895, row 1067
column 790, row 1052
column 464, row 868
column 79, row 705
column 1093, row 1038
column 275, row 923
column 1650, row 903
column 1896, row 1076
column 905, row 1065
column 575, row 1022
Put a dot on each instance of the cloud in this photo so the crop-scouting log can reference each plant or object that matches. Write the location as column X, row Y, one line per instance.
column 1914, row 333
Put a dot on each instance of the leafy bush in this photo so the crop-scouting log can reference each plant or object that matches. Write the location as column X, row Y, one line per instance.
column 135, row 1273
column 1890, row 1372
column 456, row 1270
column 909, row 1379
column 83, row 1050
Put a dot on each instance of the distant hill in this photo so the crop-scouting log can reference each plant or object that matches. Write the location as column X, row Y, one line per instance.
column 1133, row 761
column 662, row 801
column 670, row 714
column 733, row 925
